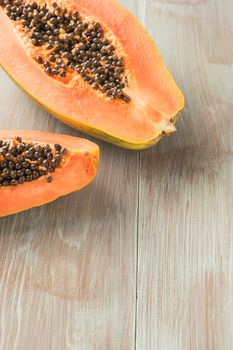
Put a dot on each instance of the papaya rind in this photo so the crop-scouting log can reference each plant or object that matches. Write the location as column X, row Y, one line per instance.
column 93, row 154
column 99, row 134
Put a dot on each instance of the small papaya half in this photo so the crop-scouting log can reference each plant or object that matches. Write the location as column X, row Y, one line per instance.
column 38, row 167
column 92, row 65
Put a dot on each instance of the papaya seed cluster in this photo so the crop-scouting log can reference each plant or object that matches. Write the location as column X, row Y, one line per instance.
column 71, row 45
column 22, row 161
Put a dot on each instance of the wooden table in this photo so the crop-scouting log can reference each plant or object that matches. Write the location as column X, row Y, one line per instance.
column 143, row 257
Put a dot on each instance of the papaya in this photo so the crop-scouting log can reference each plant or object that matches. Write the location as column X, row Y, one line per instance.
column 38, row 167
column 92, row 65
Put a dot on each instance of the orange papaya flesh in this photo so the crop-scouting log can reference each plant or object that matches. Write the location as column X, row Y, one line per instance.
column 155, row 100
column 78, row 169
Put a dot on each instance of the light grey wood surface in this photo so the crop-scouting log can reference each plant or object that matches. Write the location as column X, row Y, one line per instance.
column 143, row 257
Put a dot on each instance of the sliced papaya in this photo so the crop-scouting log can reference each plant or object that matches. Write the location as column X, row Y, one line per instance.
column 92, row 65
column 37, row 168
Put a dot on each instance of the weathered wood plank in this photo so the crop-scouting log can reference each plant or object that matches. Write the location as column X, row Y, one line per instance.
column 186, row 193
column 67, row 270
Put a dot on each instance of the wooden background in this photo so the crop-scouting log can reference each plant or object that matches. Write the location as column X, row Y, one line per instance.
column 142, row 258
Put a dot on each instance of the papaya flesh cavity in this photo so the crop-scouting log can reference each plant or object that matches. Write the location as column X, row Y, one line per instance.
column 38, row 167
column 91, row 65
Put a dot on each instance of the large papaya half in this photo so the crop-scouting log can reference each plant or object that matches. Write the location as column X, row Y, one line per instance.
column 91, row 64
column 37, row 168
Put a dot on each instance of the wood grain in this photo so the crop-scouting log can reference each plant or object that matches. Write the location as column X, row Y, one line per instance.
column 142, row 258
column 185, row 239
column 68, row 270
